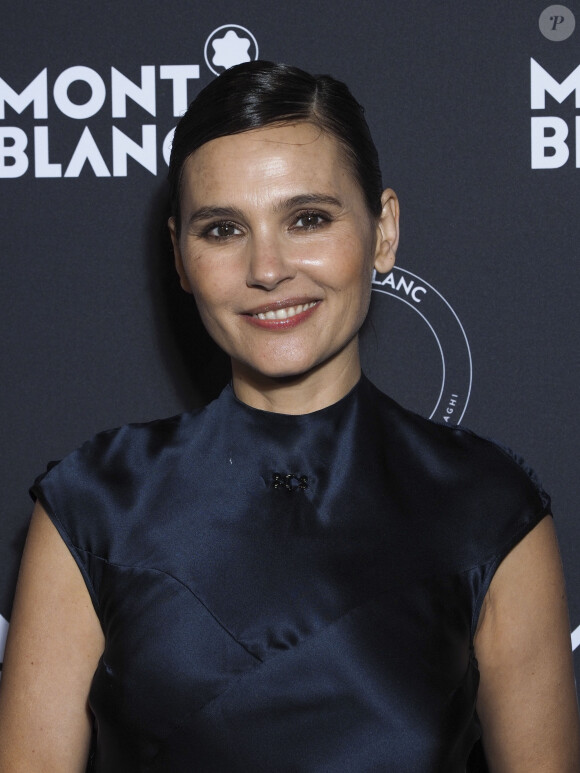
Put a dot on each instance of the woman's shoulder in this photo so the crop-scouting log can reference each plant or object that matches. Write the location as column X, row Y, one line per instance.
column 468, row 498
column 120, row 447
column 122, row 481
column 471, row 473
column 114, row 466
column 135, row 446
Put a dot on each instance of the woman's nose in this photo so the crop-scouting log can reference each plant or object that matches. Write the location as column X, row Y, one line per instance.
column 268, row 263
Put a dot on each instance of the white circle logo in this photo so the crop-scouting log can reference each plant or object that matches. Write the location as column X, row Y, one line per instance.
column 228, row 45
column 557, row 22
column 421, row 359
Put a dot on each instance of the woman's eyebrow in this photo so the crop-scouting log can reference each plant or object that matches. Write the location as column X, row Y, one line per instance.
column 308, row 199
column 206, row 213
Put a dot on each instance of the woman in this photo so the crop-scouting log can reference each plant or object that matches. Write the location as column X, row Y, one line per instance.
column 302, row 576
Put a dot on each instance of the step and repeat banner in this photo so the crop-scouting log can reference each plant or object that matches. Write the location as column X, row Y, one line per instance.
column 475, row 109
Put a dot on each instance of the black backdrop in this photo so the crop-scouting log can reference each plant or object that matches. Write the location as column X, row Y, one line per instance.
column 479, row 322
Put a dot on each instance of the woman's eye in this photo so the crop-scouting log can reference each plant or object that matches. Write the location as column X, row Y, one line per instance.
column 310, row 220
column 222, row 230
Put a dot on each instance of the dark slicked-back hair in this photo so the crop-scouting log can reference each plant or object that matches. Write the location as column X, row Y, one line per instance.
column 257, row 94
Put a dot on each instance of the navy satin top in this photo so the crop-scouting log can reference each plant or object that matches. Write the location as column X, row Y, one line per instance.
column 288, row 594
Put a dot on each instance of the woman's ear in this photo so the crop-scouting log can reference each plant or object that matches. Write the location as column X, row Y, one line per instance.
column 387, row 232
column 179, row 267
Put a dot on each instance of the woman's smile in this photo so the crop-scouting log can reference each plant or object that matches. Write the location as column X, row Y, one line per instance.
column 283, row 314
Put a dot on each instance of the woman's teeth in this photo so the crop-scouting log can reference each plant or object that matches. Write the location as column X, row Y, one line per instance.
column 285, row 313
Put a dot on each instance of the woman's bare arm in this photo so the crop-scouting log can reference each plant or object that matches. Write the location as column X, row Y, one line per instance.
column 54, row 643
column 527, row 699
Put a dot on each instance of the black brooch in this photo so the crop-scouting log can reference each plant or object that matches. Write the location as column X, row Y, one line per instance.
column 290, row 482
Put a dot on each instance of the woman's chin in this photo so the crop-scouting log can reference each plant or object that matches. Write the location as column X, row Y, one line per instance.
column 273, row 370
column 297, row 366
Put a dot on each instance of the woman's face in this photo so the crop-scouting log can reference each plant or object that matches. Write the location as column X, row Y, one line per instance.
column 277, row 247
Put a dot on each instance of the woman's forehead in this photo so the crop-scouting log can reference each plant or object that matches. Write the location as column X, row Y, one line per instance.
column 279, row 155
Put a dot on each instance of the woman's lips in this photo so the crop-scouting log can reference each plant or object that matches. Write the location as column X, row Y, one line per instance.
column 282, row 316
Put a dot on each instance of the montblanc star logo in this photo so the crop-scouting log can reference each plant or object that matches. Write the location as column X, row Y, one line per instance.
column 230, row 50
column 228, row 45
